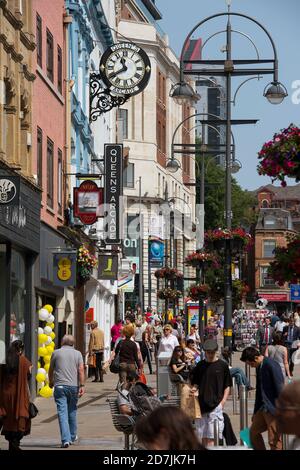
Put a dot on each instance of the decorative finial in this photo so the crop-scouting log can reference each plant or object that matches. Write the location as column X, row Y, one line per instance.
column 228, row 3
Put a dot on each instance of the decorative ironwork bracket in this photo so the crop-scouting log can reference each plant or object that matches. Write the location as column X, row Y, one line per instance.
column 101, row 100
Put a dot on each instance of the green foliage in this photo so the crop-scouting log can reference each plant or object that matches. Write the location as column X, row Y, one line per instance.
column 243, row 201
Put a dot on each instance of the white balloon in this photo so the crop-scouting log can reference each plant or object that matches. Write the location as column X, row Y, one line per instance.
column 50, row 319
column 42, row 371
column 40, row 385
column 43, row 314
column 49, row 340
column 40, row 331
column 47, row 330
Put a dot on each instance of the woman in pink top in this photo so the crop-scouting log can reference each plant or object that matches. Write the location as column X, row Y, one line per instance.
column 115, row 333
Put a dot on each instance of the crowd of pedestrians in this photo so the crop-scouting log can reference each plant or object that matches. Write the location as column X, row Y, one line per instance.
column 205, row 376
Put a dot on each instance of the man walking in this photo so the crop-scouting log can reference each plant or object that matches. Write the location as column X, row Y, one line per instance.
column 290, row 334
column 212, row 379
column 66, row 374
column 264, row 335
column 96, row 346
column 269, row 382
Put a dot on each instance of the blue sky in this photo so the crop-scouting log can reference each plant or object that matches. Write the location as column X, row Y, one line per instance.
column 281, row 19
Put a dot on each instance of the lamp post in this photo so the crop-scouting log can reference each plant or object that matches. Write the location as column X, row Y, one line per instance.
column 275, row 92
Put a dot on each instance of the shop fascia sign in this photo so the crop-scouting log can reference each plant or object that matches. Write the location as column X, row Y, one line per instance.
column 9, row 190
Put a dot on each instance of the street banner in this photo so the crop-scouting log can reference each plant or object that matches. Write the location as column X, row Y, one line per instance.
column 9, row 190
column 108, row 267
column 64, row 268
column 295, row 292
column 156, row 253
column 113, row 190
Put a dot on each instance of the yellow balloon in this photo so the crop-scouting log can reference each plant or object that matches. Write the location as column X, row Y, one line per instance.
column 51, row 325
column 50, row 349
column 49, row 308
column 46, row 391
column 42, row 351
column 47, row 366
column 47, row 359
column 42, row 338
column 40, row 377
column 52, row 335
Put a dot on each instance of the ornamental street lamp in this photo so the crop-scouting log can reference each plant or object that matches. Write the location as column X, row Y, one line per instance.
column 230, row 68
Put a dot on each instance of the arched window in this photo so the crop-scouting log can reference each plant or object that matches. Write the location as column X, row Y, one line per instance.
column 265, row 204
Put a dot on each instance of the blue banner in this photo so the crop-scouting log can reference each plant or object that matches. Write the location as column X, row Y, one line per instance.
column 295, row 292
column 156, row 253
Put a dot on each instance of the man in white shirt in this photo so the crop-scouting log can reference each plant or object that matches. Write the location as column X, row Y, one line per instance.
column 168, row 342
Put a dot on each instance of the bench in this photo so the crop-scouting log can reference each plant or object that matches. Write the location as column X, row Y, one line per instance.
column 122, row 423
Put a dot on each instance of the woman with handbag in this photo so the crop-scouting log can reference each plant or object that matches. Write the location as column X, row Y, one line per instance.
column 14, row 395
column 128, row 354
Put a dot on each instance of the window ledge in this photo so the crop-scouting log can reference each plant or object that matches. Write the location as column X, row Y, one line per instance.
column 48, row 82
column 50, row 210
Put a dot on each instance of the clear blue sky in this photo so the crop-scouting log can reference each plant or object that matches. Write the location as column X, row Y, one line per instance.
column 282, row 20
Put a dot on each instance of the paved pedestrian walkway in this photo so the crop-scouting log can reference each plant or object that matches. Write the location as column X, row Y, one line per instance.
column 95, row 428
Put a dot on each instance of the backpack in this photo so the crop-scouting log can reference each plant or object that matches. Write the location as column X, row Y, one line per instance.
column 142, row 398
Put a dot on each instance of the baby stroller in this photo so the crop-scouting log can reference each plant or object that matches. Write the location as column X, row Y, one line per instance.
column 140, row 399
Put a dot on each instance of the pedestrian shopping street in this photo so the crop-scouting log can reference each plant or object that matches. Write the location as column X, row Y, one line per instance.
column 149, row 225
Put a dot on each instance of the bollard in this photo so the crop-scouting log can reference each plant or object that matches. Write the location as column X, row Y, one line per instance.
column 243, row 408
column 216, row 432
column 233, row 396
column 247, row 372
column 285, row 442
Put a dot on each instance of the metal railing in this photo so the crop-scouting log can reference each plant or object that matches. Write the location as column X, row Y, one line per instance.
column 216, row 432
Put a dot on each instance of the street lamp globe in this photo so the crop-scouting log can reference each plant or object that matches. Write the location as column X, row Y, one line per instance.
column 173, row 165
column 275, row 92
column 183, row 93
column 236, row 166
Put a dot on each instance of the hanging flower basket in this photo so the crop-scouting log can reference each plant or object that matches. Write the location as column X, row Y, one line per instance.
column 169, row 293
column 197, row 291
column 198, row 259
column 286, row 264
column 86, row 262
column 280, row 157
column 238, row 239
column 168, row 273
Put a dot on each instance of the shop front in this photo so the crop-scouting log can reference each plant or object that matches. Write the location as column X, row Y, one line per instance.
column 20, row 203
column 277, row 301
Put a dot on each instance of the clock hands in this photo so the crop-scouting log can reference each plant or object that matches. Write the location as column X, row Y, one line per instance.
column 123, row 69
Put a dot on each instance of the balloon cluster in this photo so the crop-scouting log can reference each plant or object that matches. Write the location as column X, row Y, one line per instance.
column 46, row 347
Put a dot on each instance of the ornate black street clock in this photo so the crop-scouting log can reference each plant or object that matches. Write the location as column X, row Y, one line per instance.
column 125, row 70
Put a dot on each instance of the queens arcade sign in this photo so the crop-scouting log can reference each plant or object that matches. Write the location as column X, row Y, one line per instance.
column 113, row 190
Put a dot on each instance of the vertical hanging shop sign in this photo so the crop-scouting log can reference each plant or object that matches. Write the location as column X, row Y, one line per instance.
column 113, row 190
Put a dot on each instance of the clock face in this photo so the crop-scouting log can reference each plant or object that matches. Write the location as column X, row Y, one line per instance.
column 125, row 69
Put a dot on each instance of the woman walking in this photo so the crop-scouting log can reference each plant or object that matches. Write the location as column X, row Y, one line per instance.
column 279, row 353
column 14, row 395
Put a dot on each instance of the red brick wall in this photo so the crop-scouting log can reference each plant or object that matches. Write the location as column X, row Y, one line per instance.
column 48, row 103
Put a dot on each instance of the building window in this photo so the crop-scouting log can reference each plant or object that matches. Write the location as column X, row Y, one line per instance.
column 50, row 172
column 49, row 56
column 59, row 69
column 39, row 39
column 128, row 176
column 39, row 157
column 265, row 204
column 59, row 181
column 265, row 279
column 122, row 118
column 269, row 247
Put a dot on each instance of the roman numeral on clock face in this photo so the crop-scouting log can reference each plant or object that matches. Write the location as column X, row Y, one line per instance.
column 137, row 76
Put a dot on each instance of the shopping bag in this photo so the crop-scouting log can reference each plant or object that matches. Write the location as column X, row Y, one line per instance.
column 245, row 437
column 189, row 402
column 142, row 378
column 91, row 361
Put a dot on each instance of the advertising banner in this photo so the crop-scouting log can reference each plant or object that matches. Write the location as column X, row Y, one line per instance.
column 156, row 253
column 295, row 292
column 113, row 190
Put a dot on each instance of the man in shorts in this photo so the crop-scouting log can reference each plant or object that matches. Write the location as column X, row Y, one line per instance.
column 212, row 379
